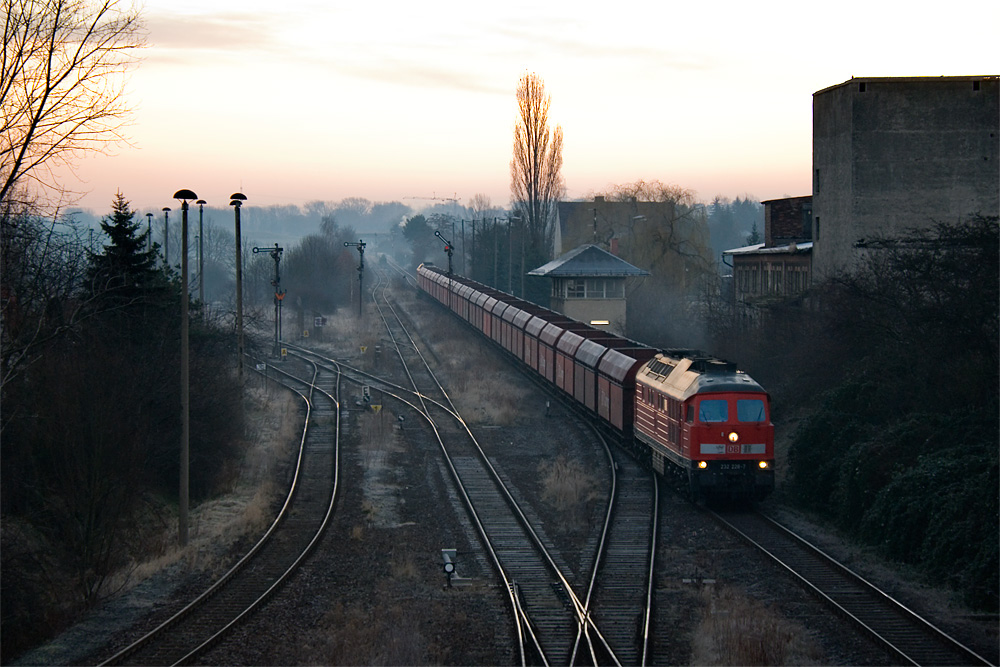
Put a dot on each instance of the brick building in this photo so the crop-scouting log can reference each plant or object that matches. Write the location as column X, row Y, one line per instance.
column 779, row 268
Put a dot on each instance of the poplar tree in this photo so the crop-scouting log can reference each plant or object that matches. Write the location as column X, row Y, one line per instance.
column 536, row 172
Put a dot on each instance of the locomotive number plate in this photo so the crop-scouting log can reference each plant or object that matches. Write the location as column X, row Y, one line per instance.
column 732, row 466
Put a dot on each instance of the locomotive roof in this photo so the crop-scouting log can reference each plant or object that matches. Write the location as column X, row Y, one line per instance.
column 688, row 374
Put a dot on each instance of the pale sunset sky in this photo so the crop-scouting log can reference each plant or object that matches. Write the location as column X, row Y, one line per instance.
column 297, row 101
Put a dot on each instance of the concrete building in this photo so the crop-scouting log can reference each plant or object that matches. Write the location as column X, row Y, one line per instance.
column 588, row 284
column 891, row 154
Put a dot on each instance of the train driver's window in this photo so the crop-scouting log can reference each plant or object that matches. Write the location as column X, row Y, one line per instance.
column 713, row 411
column 750, row 410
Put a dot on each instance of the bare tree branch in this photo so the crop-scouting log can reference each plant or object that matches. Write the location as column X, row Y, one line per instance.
column 61, row 85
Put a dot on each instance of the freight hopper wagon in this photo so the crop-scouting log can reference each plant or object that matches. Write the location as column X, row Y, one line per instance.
column 680, row 411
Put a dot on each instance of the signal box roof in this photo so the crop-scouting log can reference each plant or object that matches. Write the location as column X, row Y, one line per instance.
column 588, row 261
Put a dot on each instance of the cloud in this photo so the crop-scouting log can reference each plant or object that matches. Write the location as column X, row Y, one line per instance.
column 179, row 37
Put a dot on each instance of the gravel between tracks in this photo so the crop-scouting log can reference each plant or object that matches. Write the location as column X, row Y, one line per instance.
column 374, row 591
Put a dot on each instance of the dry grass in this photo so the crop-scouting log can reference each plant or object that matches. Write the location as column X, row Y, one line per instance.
column 361, row 636
column 737, row 630
column 273, row 427
column 569, row 488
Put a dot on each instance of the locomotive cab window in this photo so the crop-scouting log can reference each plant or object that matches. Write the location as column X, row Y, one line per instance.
column 713, row 411
column 750, row 410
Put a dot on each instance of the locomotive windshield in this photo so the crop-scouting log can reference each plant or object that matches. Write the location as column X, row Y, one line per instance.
column 713, row 411
column 750, row 410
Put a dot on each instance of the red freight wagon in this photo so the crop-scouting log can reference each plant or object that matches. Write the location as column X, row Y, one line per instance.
column 507, row 333
column 565, row 349
column 616, row 385
column 497, row 331
column 488, row 305
column 464, row 292
column 520, row 321
column 531, row 332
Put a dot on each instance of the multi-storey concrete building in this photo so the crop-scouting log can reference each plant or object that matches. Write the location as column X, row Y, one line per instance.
column 891, row 154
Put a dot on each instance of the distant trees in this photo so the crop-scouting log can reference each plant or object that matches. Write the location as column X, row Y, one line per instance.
column 61, row 84
column 318, row 271
column 536, row 173
column 733, row 223
column 420, row 236
column 667, row 234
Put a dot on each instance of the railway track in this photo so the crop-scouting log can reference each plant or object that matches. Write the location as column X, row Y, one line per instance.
column 621, row 604
column 301, row 522
column 616, row 601
column 909, row 637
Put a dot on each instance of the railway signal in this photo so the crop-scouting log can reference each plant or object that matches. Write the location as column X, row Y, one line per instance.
column 448, row 248
column 360, row 245
column 279, row 294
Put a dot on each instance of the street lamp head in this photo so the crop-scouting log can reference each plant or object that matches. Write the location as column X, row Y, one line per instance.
column 167, row 209
column 184, row 195
column 201, row 202
column 238, row 195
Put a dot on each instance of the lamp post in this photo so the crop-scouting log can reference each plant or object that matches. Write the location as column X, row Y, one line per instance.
column 184, row 196
column 360, row 245
column 166, row 236
column 236, row 201
column 201, row 258
column 149, row 231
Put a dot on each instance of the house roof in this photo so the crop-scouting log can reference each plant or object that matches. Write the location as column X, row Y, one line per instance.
column 588, row 261
column 759, row 249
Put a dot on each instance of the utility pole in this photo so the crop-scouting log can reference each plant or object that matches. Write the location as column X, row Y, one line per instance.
column 360, row 245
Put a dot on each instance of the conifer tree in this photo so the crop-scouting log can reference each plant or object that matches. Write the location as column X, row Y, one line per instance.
column 125, row 269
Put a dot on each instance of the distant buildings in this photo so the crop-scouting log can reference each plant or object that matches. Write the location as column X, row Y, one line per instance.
column 889, row 154
column 780, row 267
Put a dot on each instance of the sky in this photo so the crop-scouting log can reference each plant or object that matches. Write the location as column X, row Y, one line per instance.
column 298, row 101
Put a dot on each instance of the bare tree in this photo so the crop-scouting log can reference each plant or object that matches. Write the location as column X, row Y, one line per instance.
column 536, row 180
column 61, row 84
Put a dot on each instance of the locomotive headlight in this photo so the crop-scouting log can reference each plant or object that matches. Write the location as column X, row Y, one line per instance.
column 702, row 464
column 734, row 436
column 762, row 465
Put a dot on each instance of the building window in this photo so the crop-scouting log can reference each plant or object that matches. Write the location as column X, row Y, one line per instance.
column 861, row 87
column 817, row 229
column 975, row 86
column 816, row 184
column 592, row 288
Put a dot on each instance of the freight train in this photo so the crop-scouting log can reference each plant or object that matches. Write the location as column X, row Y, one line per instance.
column 680, row 411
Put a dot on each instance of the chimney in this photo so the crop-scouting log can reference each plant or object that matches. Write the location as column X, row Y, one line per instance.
column 614, row 247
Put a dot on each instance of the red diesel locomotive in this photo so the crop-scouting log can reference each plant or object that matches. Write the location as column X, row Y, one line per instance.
column 680, row 411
